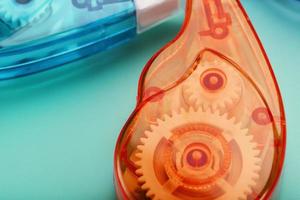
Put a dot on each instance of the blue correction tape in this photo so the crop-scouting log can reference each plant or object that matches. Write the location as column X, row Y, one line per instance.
column 36, row 35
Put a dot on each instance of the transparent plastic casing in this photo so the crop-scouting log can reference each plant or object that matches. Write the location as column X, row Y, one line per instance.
column 37, row 35
column 209, row 121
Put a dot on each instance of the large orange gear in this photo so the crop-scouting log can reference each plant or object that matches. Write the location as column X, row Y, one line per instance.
column 195, row 153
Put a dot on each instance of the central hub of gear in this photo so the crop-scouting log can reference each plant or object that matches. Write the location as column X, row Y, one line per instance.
column 213, row 80
column 196, row 157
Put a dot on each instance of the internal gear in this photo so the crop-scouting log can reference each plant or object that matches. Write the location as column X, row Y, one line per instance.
column 19, row 13
column 162, row 103
column 197, row 155
column 213, row 85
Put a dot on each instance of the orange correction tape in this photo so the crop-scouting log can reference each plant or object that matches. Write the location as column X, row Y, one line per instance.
column 209, row 122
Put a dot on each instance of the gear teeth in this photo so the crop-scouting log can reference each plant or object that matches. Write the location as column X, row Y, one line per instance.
column 257, row 168
column 192, row 109
column 150, row 194
column 148, row 133
column 254, row 180
column 240, row 125
column 160, row 121
column 139, row 171
column 255, row 177
column 242, row 197
column 233, row 120
column 145, row 169
column 181, row 110
column 256, row 152
column 139, row 163
column 192, row 99
column 143, row 141
column 163, row 118
column 141, row 148
column 206, row 107
column 152, row 127
column 248, row 191
column 226, row 116
column 144, row 186
column 167, row 117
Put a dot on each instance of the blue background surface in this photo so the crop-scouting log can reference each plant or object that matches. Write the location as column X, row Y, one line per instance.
column 58, row 128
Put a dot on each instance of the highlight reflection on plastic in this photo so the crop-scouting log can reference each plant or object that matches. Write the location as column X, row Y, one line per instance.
column 209, row 123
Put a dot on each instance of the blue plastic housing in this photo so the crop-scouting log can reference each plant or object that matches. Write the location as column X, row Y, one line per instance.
column 58, row 32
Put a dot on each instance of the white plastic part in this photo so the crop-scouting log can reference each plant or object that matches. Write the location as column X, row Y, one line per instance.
column 153, row 12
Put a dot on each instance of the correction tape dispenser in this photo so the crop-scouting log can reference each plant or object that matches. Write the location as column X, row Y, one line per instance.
column 209, row 121
column 36, row 35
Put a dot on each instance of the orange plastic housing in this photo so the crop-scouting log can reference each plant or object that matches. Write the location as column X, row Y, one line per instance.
column 209, row 122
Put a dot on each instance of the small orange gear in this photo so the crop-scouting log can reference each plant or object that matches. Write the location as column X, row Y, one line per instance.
column 214, row 85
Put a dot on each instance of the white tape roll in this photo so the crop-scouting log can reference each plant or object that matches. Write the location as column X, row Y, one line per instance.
column 152, row 12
